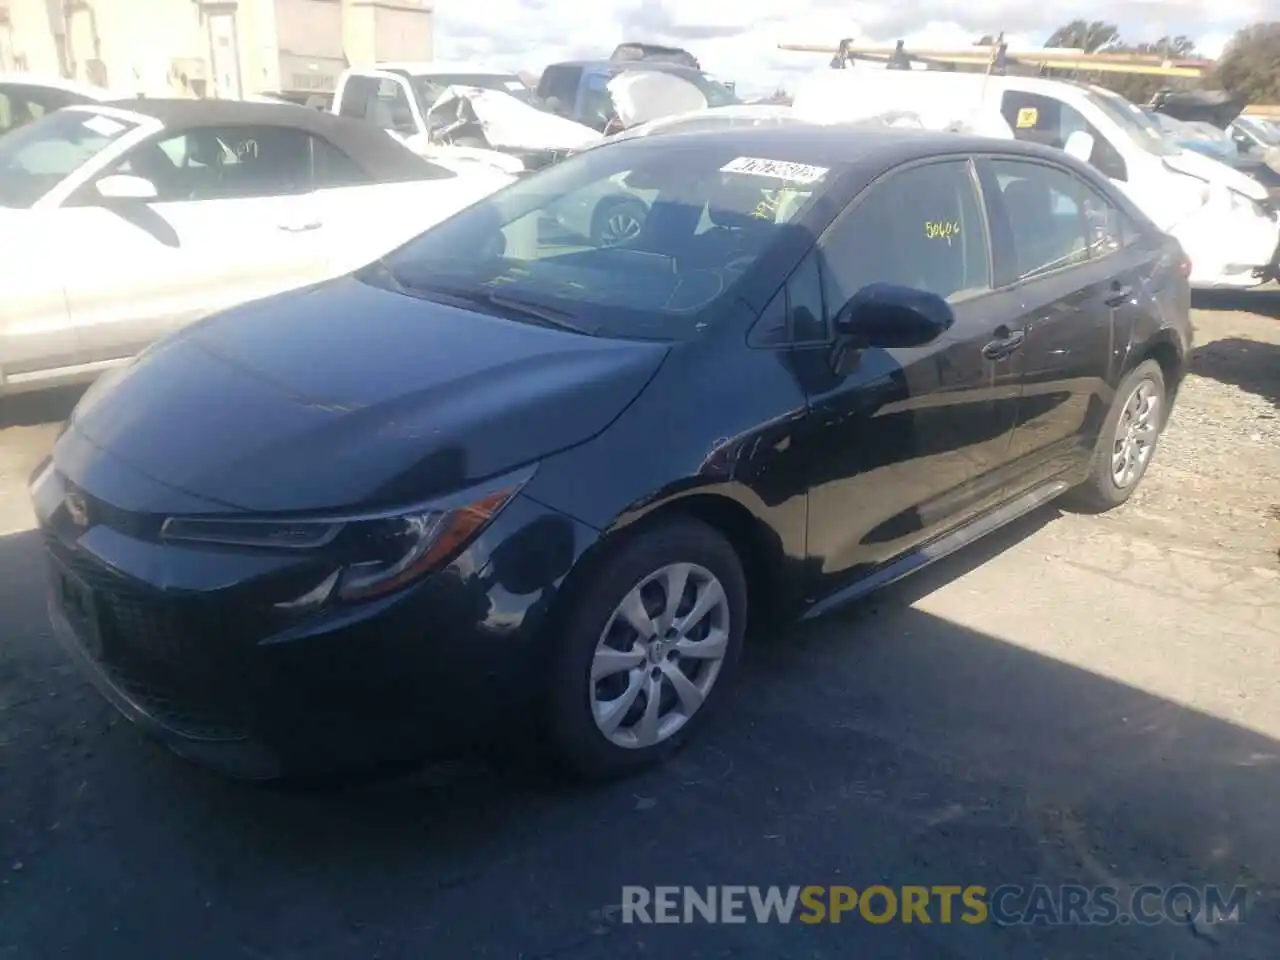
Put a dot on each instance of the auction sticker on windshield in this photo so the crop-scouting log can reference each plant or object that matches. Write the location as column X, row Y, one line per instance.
column 777, row 169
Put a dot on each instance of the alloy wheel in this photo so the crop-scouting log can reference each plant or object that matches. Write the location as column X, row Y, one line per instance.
column 1136, row 434
column 659, row 655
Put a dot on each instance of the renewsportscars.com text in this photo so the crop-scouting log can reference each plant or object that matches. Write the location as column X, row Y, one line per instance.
column 1008, row 904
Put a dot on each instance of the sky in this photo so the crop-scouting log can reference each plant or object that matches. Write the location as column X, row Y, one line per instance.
column 737, row 39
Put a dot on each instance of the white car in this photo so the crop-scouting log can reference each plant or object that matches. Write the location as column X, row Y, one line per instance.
column 1224, row 219
column 120, row 222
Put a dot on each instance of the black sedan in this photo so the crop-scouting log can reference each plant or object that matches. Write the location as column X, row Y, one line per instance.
column 507, row 487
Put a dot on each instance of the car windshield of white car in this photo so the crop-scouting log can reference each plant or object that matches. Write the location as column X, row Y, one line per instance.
column 36, row 158
column 640, row 240
column 432, row 86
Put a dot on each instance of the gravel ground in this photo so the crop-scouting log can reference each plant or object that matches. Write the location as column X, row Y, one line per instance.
column 1077, row 699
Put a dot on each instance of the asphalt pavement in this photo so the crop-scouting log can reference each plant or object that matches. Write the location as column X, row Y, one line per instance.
column 1078, row 700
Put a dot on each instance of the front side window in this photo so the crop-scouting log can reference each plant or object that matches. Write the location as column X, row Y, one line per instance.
column 711, row 218
column 37, row 157
column 1049, row 121
column 921, row 227
column 223, row 163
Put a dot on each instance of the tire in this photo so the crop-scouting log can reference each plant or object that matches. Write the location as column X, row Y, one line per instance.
column 1103, row 491
column 606, row 220
column 579, row 744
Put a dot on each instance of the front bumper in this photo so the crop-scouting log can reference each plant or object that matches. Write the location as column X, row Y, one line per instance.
column 1231, row 251
column 181, row 642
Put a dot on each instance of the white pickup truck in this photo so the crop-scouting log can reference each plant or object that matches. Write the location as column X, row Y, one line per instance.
column 459, row 114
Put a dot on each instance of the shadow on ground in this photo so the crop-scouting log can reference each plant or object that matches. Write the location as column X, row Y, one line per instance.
column 1251, row 365
column 45, row 406
column 1265, row 301
column 883, row 746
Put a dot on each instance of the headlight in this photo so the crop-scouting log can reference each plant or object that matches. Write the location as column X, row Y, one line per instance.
column 375, row 555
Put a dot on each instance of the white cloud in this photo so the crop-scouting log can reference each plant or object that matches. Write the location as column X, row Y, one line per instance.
column 738, row 39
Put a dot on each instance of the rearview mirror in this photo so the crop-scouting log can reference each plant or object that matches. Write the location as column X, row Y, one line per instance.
column 1080, row 145
column 123, row 187
column 886, row 315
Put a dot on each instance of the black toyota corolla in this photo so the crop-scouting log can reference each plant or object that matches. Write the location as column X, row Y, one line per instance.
column 513, row 484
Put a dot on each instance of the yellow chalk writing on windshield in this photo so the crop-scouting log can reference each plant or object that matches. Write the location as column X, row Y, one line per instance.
column 941, row 229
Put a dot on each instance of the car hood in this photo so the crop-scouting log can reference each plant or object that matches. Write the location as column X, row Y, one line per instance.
column 1216, row 172
column 341, row 395
column 507, row 121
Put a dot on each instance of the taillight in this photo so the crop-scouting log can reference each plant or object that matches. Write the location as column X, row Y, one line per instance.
column 1184, row 266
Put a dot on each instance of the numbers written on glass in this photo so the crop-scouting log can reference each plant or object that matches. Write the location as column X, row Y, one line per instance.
column 246, row 150
column 941, row 229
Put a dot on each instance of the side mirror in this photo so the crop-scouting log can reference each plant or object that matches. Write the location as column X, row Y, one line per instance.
column 123, row 187
column 888, row 316
column 1080, row 145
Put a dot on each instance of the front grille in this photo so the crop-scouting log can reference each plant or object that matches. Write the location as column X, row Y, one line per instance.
column 179, row 658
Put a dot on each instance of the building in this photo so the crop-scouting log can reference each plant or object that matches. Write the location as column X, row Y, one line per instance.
column 210, row 48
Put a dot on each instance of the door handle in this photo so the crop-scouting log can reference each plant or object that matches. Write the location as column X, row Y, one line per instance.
column 1120, row 293
column 1006, row 342
column 301, row 227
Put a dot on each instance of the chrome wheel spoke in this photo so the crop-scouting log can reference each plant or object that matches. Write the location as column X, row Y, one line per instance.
column 675, row 580
column 633, row 612
column 709, row 596
column 609, row 661
column 687, row 691
column 712, row 648
column 609, row 715
column 649, row 729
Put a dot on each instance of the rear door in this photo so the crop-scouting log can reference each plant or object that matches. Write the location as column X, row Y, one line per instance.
column 234, row 220
column 1061, row 249
column 905, row 444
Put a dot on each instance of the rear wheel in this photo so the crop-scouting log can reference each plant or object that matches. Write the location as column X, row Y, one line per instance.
column 1127, row 441
column 648, row 651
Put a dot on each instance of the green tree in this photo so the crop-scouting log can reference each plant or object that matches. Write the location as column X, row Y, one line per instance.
column 1251, row 63
column 1089, row 36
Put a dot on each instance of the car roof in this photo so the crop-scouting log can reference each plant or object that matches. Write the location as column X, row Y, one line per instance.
column 844, row 145
column 371, row 147
column 47, row 82
column 620, row 65
column 419, row 68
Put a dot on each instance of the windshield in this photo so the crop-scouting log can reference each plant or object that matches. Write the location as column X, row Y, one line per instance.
column 717, row 94
column 37, row 157
column 646, row 240
column 1139, row 127
column 430, row 88
column 1267, row 133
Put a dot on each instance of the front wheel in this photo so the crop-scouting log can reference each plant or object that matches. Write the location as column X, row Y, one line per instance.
column 618, row 221
column 1127, row 441
column 648, row 651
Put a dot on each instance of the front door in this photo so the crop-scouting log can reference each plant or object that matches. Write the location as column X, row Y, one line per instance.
column 1074, row 279
column 906, row 443
column 234, row 220
column 36, row 334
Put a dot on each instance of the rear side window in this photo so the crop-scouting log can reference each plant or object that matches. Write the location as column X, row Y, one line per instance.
column 921, row 227
column 357, row 96
column 1055, row 219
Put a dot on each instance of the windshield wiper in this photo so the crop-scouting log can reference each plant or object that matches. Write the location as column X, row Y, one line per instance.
column 505, row 304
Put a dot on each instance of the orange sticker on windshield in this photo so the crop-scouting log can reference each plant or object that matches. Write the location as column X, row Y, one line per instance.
column 1028, row 117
